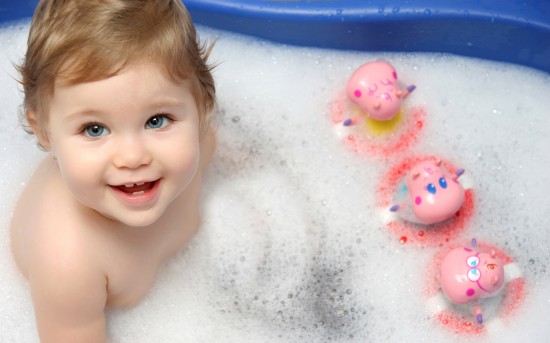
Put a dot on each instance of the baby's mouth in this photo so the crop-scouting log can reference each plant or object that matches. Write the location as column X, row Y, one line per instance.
column 136, row 188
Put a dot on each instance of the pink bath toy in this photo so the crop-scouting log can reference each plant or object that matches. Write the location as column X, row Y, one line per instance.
column 467, row 275
column 374, row 88
column 460, row 279
column 430, row 194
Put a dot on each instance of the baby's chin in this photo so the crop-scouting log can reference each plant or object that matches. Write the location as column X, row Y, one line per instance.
column 134, row 220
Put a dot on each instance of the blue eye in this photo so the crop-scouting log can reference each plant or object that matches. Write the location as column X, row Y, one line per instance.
column 95, row 130
column 431, row 188
column 157, row 122
column 474, row 275
column 472, row 261
column 443, row 183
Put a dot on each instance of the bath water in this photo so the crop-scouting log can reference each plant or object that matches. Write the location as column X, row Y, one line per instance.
column 294, row 245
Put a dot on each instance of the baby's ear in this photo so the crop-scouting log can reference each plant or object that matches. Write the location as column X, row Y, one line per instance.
column 40, row 133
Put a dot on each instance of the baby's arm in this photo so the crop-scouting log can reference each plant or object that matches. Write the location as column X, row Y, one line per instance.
column 69, row 295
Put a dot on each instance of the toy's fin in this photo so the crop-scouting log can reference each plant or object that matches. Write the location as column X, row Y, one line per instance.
column 394, row 208
column 405, row 93
column 352, row 121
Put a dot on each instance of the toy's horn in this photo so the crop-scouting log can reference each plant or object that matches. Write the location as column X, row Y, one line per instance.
column 438, row 163
column 415, row 175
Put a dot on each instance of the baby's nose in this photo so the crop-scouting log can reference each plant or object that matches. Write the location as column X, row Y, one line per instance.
column 131, row 153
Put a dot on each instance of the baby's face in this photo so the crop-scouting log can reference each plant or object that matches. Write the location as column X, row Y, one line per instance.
column 126, row 146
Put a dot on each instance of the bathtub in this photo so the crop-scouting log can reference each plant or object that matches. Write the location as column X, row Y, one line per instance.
column 510, row 31
column 247, row 306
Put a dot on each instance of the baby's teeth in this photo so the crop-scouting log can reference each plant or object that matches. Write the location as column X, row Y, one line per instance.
column 138, row 193
column 130, row 185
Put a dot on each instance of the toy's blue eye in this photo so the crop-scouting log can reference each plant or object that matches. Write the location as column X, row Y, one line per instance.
column 95, row 130
column 443, row 183
column 472, row 261
column 431, row 188
column 474, row 275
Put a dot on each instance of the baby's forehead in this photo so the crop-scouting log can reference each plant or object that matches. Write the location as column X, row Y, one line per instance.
column 74, row 75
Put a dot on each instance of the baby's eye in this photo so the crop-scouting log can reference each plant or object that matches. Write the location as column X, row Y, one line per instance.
column 431, row 188
column 95, row 130
column 158, row 121
column 443, row 183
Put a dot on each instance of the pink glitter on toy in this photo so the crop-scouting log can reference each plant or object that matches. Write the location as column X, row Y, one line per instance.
column 373, row 87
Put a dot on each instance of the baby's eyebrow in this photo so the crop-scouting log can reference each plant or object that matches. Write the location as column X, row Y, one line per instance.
column 161, row 103
column 83, row 113
column 168, row 102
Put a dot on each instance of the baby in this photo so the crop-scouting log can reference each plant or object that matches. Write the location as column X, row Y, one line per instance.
column 119, row 93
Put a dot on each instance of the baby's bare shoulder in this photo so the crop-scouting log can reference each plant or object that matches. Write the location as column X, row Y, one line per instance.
column 47, row 231
column 61, row 248
column 60, row 243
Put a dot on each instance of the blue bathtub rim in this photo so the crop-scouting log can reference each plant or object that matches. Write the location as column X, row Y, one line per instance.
column 514, row 32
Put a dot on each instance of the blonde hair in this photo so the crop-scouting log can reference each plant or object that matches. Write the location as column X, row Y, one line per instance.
column 75, row 41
